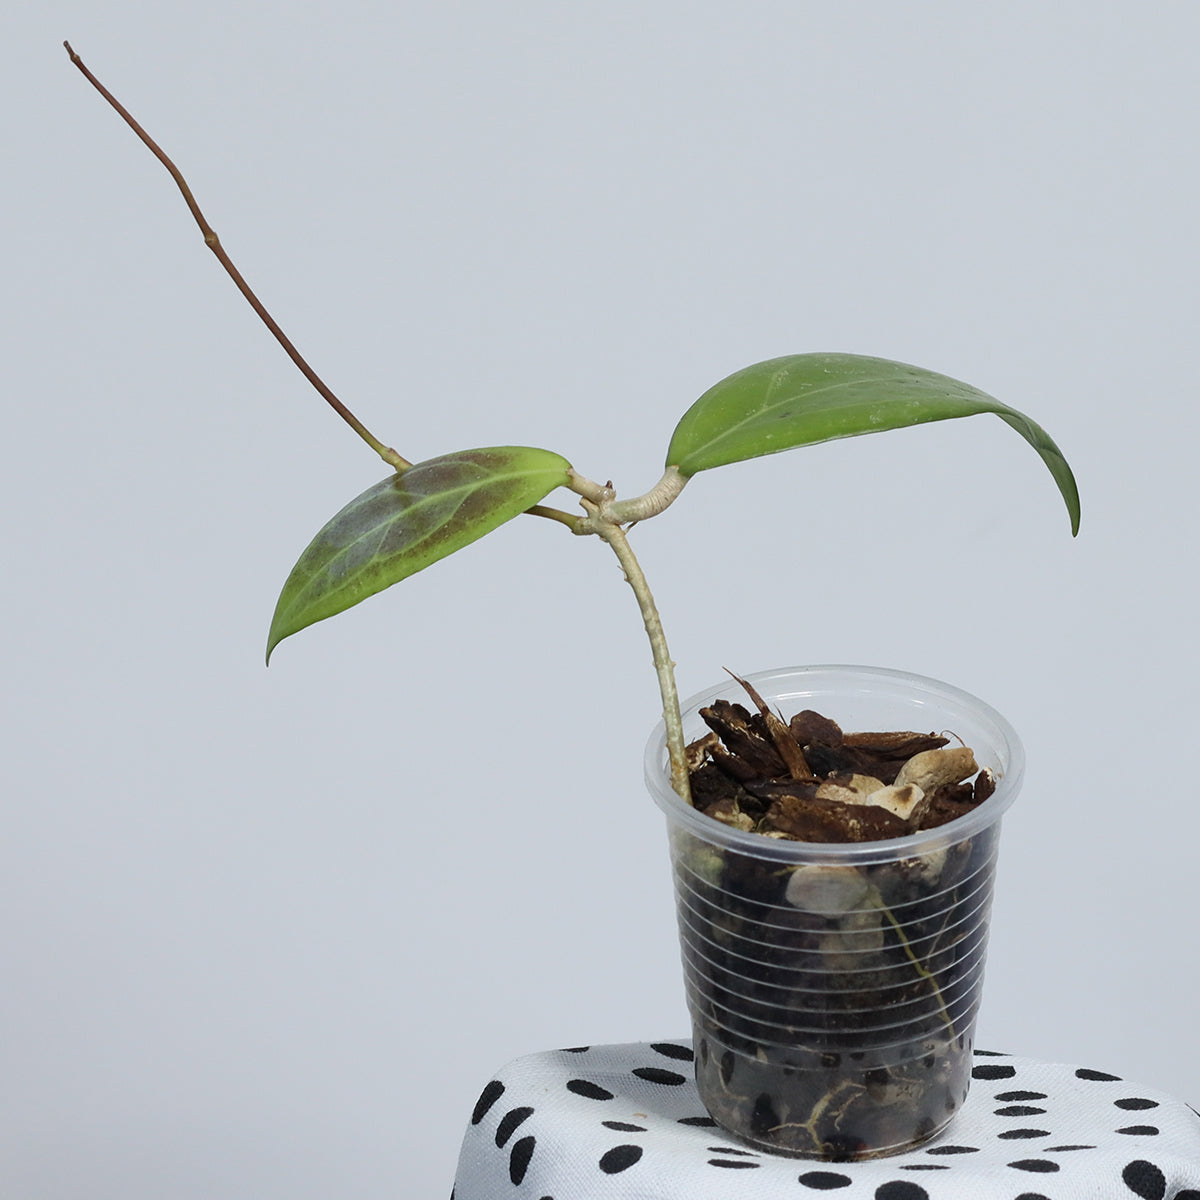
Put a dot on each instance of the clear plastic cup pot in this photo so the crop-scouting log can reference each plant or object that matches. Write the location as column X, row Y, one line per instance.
column 833, row 988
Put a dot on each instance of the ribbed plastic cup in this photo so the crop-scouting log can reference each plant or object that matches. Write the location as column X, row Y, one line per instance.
column 833, row 988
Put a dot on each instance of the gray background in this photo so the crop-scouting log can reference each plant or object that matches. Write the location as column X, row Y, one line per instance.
column 267, row 933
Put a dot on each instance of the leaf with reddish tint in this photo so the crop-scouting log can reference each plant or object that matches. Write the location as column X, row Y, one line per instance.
column 808, row 398
column 408, row 521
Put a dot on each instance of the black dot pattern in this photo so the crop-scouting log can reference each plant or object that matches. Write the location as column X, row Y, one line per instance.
column 659, row 1075
column 825, row 1181
column 635, row 1120
column 671, row 1050
column 487, row 1098
column 519, row 1158
column 593, row 1091
column 1144, row 1179
column 993, row 1071
column 509, row 1122
column 900, row 1189
column 619, row 1158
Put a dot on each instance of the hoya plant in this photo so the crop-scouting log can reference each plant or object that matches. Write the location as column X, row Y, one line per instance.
column 424, row 511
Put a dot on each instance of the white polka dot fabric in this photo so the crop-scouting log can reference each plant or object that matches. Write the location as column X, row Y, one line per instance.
column 625, row 1123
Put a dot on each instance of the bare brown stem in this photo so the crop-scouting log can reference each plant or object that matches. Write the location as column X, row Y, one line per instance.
column 389, row 456
column 603, row 517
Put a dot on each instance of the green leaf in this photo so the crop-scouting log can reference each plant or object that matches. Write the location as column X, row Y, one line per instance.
column 807, row 398
column 408, row 521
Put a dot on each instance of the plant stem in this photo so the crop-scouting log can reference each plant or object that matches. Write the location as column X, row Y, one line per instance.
column 571, row 520
column 656, row 500
column 605, row 516
column 614, row 535
column 389, row 456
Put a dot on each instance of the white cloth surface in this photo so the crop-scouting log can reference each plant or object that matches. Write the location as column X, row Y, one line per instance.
column 625, row 1122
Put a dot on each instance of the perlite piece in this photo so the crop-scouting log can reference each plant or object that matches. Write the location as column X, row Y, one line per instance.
column 819, row 888
column 898, row 798
column 932, row 769
column 854, row 790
